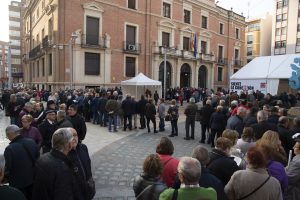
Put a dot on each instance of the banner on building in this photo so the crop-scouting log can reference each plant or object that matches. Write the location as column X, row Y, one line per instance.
column 247, row 85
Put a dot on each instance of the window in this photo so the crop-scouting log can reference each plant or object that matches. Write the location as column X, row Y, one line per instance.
column 203, row 47
column 130, row 35
column 279, row 5
column 285, row 3
column 43, row 33
column 236, row 54
column 38, row 39
column 220, row 74
column 284, row 17
column 298, row 42
column 249, row 51
column 237, row 33
column 50, row 28
column 186, row 43
column 187, row 16
column 220, row 52
column 278, row 18
column 130, row 67
column 277, row 44
column 92, row 30
column 283, row 31
column 166, row 10
column 38, row 68
column 50, row 64
column 283, row 44
column 92, row 63
column 131, row 4
column 43, row 67
column 221, row 28
column 204, row 22
column 278, row 31
column 249, row 39
column 165, row 39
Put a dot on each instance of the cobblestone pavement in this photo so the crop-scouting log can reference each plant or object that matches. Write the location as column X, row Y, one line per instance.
column 116, row 165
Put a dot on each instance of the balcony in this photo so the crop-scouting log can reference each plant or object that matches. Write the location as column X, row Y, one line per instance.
column 189, row 54
column 92, row 41
column 35, row 52
column 249, row 53
column 207, row 57
column 46, row 43
column 222, row 61
column 17, row 74
column 133, row 48
column 237, row 63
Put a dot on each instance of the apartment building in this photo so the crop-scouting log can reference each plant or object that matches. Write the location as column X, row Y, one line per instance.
column 3, row 64
column 15, row 34
column 286, row 27
column 259, row 37
column 83, row 43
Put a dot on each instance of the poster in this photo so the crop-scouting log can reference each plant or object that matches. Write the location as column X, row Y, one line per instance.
column 247, row 85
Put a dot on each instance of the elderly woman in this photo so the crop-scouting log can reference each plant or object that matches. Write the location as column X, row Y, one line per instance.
column 173, row 113
column 247, row 141
column 165, row 149
column 30, row 131
column 293, row 174
column 148, row 185
column 254, row 182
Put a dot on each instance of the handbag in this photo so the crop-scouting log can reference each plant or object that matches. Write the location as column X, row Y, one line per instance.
column 168, row 118
column 90, row 188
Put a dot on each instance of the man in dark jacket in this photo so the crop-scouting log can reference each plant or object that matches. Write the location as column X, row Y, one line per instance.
column 77, row 122
column 274, row 117
column 141, row 110
column 20, row 156
column 150, row 115
column 62, row 122
column 236, row 122
column 285, row 135
column 262, row 126
column 112, row 109
column 47, row 128
column 55, row 173
column 127, row 110
column 205, row 113
column 103, row 118
column 190, row 112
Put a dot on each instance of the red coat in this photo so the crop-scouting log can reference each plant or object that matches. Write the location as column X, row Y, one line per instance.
column 170, row 169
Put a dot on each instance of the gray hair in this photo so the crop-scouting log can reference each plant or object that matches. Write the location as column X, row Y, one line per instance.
column 2, row 162
column 241, row 110
column 190, row 168
column 61, row 138
column 12, row 129
column 192, row 100
column 262, row 116
column 201, row 154
column 28, row 104
column 61, row 114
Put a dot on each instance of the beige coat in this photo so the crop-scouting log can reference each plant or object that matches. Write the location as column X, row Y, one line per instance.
column 244, row 182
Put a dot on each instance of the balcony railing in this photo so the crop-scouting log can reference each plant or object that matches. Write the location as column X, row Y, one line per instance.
column 35, row 52
column 46, row 43
column 93, row 41
column 130, row 47
column 237, row 63
column 207, row 57
column 222, row 61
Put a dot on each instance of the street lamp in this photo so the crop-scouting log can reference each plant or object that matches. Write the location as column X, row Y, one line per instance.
column 166, row 50
column 72, row 39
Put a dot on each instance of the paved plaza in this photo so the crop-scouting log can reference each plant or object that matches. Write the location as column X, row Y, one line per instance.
column 118, row 157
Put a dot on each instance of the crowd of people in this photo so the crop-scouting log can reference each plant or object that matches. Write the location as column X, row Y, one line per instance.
column 250, row 133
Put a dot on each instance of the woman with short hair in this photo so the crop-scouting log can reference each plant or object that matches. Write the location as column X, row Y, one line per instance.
column 148, row 185
column 30, row 131
column 254, row 182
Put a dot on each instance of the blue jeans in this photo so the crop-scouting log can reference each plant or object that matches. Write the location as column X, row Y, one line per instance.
column 103, row 118
column 95, row 117
column 112, row 119
column 161, row 124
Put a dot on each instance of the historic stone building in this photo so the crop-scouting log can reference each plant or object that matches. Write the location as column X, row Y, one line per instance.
column 81, row 43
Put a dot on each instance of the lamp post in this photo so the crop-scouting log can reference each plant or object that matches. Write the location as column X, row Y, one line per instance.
column 166, row 50
column 72, row 39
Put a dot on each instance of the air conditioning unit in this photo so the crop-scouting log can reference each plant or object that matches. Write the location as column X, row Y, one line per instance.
column 131, row 47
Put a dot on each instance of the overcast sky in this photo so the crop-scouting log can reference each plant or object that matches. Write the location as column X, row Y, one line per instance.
column 257, row 8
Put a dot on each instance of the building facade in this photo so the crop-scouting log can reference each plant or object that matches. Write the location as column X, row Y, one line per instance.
column 286, row 27
column 83, row 43
column 15, row 34
column 258, row 37
column 3, row 64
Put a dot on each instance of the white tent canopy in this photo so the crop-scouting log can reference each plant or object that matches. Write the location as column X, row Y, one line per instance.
column 139, row 84
column 263, row 73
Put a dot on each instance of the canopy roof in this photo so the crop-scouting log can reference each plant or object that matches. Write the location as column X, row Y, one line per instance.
column 140, row 79
column 267, row 67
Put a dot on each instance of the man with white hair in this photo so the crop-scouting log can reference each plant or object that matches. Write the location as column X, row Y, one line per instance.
column 262, row 125
column 55, row 173
column 236, row 122
column 189, row 172
column 7, row 192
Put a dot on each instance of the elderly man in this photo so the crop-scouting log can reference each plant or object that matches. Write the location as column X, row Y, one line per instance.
column 235, row 122
column 262, row 126
column 77, row 122
column 205, row 113
column 55, row 173
column 62, row 121
column 190, row 112
column 7, row 192
column 20, row 156
column 189, row 172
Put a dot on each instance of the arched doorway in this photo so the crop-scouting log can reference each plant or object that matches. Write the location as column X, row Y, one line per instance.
column 168, row 74
column 202, row 77
column 185, row 75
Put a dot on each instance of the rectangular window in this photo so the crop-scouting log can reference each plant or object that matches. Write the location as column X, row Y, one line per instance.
column 285, row 3
column 187, row 16
column 278, row 18
column 130, row 67
column 277, row 44
column 92, row 30
column 237, row 33
column 220, row 74
column 186, row 43
column 236, row 54
column 166, row 10
column 50, row 64
column 92, row 63
column 249, row 51
column 221, row 28
column 203, row 47
column 50, row 28
column 43, row 67
column 204, row 22
column 130, row 35
column 165, row 39
column 284, row 17
column 220, row 52
column 249, row 39
column 38, row 68
column 278, row 31
column 283, row 44
column 131, row 4
column 279, row 5
column 283, row 31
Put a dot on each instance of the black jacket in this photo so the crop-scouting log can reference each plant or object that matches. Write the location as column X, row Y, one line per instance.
column 150, row 110
column 142, row 106
column 151, row 193
column 218, row 121
column 222, row 166
column 261, row 127
column 79, row 125
column 55, row 178
column 101, row 104
column 46, row 129
column 236, row 123
column 205, row 112
column 285, row 136
column 127, row 107
column 191, row 110
column 64, row 124
column 20, row 156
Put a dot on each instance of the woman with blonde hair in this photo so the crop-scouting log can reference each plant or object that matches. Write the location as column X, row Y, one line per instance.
column 30, row 131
